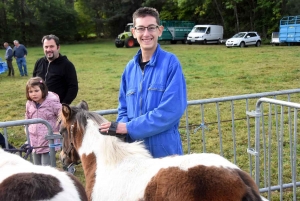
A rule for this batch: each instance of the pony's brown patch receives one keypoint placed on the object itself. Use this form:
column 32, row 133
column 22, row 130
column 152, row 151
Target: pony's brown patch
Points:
column 79, row 187
column 89, row 164
column 201, row 183
column 29, row 186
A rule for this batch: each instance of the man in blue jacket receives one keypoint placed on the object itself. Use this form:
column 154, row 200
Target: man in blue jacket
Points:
column 152, row 95
column 20, row 53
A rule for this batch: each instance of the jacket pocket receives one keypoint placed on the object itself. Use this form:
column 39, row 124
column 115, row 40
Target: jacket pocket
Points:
column 154, row 95
column 132, row 104
column 157, row 87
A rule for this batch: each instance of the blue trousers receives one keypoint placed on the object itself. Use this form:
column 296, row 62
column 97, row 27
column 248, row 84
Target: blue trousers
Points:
column 21, row 62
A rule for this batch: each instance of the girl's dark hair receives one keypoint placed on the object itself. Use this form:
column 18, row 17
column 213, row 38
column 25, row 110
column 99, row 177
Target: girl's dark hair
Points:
column 36, row 81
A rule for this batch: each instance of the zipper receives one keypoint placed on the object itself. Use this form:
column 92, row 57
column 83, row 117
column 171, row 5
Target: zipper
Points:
column 141, row 88
column 47, row 72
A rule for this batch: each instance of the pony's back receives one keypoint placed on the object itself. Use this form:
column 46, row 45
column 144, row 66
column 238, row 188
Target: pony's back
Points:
column 20, row 180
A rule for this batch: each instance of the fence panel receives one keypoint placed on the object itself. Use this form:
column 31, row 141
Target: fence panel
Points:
column 223, row 126
column 50, row 136
column 275, row 152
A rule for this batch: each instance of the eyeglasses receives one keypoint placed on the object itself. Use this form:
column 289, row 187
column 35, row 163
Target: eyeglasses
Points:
column 151, row 29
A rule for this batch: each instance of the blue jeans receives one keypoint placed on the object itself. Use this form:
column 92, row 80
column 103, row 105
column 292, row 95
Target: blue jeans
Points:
column 21, row 62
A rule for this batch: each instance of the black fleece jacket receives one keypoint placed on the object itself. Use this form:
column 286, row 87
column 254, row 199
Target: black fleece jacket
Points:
column 60, row 77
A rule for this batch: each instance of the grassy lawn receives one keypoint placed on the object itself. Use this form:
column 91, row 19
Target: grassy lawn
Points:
column 211, row 71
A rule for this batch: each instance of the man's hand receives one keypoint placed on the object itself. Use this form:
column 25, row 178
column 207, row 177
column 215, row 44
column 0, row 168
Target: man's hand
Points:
column 121, row 129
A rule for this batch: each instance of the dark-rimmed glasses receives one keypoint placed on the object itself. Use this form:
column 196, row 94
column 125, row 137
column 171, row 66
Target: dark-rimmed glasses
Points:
column 151, row 29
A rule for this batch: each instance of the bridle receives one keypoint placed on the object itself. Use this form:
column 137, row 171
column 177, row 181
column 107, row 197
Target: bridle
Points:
column 70, row 148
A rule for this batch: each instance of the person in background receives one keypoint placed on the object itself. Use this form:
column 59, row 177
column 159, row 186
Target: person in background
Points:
column 57, row 71
column 9, row 58
column 43, row 104
column 20, row 53
column 152, row 95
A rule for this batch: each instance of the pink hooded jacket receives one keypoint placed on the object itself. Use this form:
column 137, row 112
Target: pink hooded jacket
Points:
column 49, row 111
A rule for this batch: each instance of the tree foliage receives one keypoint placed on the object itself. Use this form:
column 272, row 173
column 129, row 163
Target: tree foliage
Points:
column 29, row 20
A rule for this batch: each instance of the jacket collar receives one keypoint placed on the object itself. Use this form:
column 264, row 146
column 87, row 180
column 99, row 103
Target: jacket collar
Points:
column 153, row 59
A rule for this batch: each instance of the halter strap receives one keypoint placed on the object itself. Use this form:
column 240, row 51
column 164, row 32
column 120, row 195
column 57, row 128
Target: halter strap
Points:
column 71, row 147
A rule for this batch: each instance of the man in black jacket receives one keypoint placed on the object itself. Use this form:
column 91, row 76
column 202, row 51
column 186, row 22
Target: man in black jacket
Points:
column 57, row 71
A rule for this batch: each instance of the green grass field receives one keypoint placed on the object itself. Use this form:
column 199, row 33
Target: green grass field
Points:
column 211, row 71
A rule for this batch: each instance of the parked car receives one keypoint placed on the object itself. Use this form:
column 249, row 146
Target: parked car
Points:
column 244, row 39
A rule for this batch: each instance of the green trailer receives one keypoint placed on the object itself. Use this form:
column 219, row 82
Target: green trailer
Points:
column 174, row 31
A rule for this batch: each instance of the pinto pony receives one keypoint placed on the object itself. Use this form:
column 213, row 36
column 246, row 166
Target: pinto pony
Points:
column 20, row 180
column 116, row 170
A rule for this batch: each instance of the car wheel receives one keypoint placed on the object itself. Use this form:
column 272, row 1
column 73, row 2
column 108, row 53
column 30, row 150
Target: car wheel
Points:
column 129, row 42
column 258, row 43
column 242, row 44
column 204, row 42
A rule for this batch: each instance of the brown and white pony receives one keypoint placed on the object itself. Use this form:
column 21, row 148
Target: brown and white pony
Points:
column 20, row 180
column 115, row 170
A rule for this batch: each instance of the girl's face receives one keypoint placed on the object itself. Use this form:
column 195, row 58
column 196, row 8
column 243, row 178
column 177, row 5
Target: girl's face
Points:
column 35, row 94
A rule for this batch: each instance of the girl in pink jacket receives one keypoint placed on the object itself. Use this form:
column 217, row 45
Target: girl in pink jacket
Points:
column 45, row 105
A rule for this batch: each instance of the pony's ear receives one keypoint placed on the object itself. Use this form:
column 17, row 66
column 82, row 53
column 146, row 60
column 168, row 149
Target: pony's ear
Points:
column 66, row 111
column 83, row 105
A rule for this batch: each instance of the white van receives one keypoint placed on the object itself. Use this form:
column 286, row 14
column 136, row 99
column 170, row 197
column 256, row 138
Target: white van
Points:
column 205, row 34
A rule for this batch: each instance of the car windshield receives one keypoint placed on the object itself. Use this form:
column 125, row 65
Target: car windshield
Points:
column 239, row 35
column 199, row 29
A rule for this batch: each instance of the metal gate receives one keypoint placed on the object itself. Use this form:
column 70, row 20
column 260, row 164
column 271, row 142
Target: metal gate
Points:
column 50, row 136
column 275, row 151
column 226, row 127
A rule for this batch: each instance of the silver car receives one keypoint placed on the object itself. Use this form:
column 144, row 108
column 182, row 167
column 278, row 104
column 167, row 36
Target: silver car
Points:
column 244, row 39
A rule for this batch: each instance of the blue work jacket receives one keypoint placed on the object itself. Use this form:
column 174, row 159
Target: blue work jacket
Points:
column 152, row 101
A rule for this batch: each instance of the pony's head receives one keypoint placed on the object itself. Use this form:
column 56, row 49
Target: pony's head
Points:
column 73, row 126
column 71, row 139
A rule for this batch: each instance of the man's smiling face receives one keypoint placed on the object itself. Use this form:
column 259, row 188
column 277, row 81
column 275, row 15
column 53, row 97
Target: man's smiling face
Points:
column 147, row 39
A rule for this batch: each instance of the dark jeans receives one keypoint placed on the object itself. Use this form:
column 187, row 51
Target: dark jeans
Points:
column 11, row 70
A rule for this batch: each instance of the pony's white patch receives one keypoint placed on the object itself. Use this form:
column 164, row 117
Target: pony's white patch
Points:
column 11, row 164
column 124, row 169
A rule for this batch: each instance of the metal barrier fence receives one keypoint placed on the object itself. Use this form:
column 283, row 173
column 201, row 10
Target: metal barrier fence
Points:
column 224, row 126
column 50, row 136
column 277, row 135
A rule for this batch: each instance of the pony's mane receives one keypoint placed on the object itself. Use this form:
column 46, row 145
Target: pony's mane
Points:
column 114, row 148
